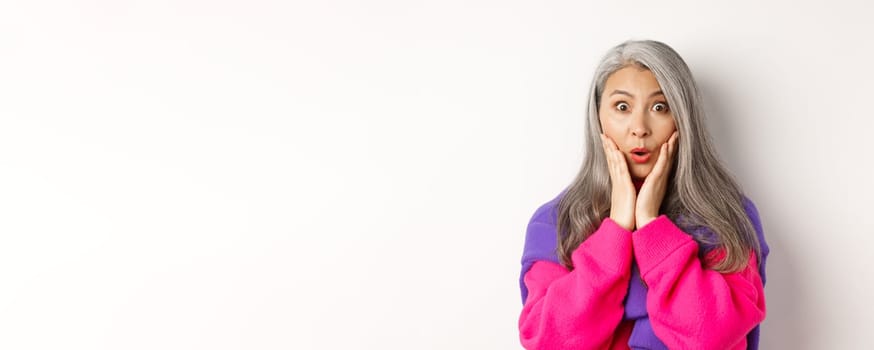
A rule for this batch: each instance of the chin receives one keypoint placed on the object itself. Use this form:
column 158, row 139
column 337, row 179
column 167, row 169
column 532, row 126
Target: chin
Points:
column 641, row 175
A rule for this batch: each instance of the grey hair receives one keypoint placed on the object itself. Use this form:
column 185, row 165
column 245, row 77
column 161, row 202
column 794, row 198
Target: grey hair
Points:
column 700, row 193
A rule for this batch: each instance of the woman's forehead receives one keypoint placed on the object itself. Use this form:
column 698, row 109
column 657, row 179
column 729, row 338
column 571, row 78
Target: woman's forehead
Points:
column 632, row 81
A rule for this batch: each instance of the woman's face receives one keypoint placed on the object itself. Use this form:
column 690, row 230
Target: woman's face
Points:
column 634, row 113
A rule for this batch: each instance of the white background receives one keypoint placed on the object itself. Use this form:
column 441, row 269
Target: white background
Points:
column 359, row 175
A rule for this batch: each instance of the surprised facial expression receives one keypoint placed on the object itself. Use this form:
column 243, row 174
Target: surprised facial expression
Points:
column 635, row 114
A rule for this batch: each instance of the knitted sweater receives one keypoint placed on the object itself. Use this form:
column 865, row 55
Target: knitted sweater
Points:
column 646, row 289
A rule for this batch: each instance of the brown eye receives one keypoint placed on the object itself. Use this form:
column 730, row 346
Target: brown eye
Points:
column 622, row 106
column 660, row 107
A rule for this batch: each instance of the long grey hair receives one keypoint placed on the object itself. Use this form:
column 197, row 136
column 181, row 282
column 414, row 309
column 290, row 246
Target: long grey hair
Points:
column 700, row 191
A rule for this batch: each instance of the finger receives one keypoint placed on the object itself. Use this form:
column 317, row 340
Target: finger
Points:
column 617, row 162
column 674, row 142
column 611, row 150
column 610, row 143
column 660, row 162
column 618, row 157
column 605, row 147
column 603, row 143
column 611, row 167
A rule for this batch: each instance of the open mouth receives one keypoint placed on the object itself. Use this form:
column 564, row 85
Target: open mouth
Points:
column 640, row 155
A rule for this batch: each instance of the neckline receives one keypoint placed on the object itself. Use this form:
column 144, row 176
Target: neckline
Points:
column 637, row 184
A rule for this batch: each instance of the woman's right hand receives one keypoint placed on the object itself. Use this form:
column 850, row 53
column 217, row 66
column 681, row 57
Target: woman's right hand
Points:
column 623, row 194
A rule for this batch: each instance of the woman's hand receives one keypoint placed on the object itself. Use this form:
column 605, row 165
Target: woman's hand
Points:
column 649, row 199
column 623, row 193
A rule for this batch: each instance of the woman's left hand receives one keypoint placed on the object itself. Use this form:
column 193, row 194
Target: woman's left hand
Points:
column 649, row 199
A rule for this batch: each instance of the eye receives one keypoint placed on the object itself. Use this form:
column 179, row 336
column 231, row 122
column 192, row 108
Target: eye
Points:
column 622, row 106
column 660, row 107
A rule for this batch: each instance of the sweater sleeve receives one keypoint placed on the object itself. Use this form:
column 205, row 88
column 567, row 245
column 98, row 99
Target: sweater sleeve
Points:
column 691, row 307
column 581, row 308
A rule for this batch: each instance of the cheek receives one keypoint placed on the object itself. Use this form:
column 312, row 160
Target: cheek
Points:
column 665, row 130
column 608, row 126
column 671, row 125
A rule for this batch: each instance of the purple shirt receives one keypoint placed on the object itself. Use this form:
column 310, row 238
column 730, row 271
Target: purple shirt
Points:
column 541, row 245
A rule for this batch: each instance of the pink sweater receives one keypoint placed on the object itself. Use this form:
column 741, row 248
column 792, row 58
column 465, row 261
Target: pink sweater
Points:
column 689, row 307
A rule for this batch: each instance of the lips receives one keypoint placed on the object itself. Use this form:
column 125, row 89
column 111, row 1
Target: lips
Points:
column 640, row 155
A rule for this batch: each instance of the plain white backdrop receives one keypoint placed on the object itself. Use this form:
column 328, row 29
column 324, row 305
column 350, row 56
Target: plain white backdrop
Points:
column 359, row 175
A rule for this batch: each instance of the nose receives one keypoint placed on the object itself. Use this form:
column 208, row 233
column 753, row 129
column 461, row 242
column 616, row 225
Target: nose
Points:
column 639, row 131
column 639, row 126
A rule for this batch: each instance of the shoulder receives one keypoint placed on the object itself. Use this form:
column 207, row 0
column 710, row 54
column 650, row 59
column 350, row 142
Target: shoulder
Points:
column 708, row 240
column 540, row 235
column 753, row 213
column 547, row 213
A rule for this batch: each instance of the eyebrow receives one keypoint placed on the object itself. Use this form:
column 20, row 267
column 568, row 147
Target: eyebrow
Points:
column 623, row 92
